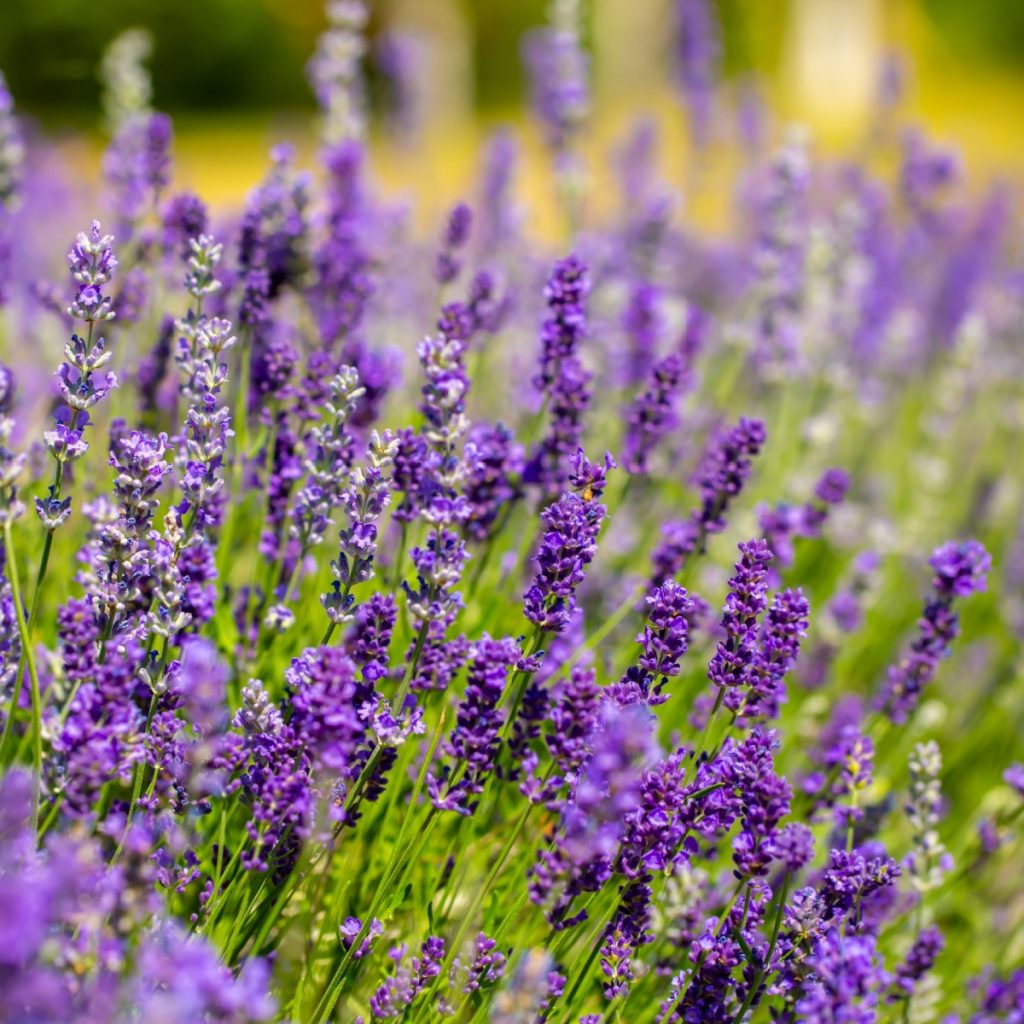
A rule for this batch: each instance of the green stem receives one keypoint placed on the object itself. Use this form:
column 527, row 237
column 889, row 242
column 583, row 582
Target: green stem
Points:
column 30, row 660
column 399, row 857
column 755, row 986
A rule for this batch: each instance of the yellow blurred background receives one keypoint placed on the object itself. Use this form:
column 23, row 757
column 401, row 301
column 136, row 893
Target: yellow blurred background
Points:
column 818, row 63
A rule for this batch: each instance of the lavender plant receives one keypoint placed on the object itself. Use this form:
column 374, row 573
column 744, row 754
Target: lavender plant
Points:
column 351, row 682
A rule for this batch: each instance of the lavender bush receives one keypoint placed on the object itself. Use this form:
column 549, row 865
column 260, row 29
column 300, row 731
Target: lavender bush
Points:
column 402, row 628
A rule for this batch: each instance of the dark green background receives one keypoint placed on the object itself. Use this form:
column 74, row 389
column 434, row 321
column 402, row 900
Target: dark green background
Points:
column 233, row 55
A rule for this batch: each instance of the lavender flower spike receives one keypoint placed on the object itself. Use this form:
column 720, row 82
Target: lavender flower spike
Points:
column 723, row 472
column 960, row 570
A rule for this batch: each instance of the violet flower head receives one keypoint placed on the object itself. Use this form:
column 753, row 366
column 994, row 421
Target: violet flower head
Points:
column 698, row 53
column 784, row 627
column 735, row 657
column 323, row 689
column 925, row 173
column 623, row 747
column 574, row 716
column 453, row 242
column 852, row 760
column 567, row 547
column 498, row 216
column 475, row 740
column 363, row 500
column 721, row 476
column 832, row 487
column 565, row 328
column 92, row 264
column 920, row 959
column 409, row 980
column 793, row 846
column 139, row 461
column 845, row 982
column 653, row 414
column 183, row 218
column 960, row 570
column 1014, row 777
column 207, row 427
column 663, row 643
column 494, row 461
column 557, row 66
column 562, row 377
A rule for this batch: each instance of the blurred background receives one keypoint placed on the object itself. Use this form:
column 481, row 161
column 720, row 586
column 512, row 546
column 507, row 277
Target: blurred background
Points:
column 233, row 75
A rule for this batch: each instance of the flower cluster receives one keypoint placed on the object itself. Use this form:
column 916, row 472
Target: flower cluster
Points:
column 355, row 689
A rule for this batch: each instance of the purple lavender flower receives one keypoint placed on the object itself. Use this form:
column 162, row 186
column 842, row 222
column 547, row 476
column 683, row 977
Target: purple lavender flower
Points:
column 574, row 718
column 852, row 760
column 486, row 967
column 561, row 378
column 779, row 257
column 343, row 283
column 137, row 165
column 735, row 657
column 498, row 218
column 99, row 738
column 207, row 422
column 566, row 291
column 475, row 742
column 960, row 570
column 1014, row 777
column 926, row 171
column 456, row 235
column 323, row 690
column 607, row 791
column 558, row 70
column 92, row 263
column 663, row 641
column 793, row 846
column 568, row 546
column 784, row 627
column 920, row 959
column 652, row 415
column 494, row 462
column 408, row 981
column 782, row 524
column 184, row 217
column 140, row 465
column 845, row 981
column 439, row 568
column 698, row 52
column 724, row 470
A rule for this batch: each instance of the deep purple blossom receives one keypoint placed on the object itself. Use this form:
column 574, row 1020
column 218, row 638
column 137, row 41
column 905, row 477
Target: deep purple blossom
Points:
column 561, row 377
column 723, row 471
column 652, row 415
column 735, row 659
column 960, row 570
column 474, row 742
column 456, row 235
column 567, row 547
column 663, row 642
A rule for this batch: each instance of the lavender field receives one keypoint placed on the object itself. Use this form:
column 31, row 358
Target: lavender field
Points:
column 595, row 619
